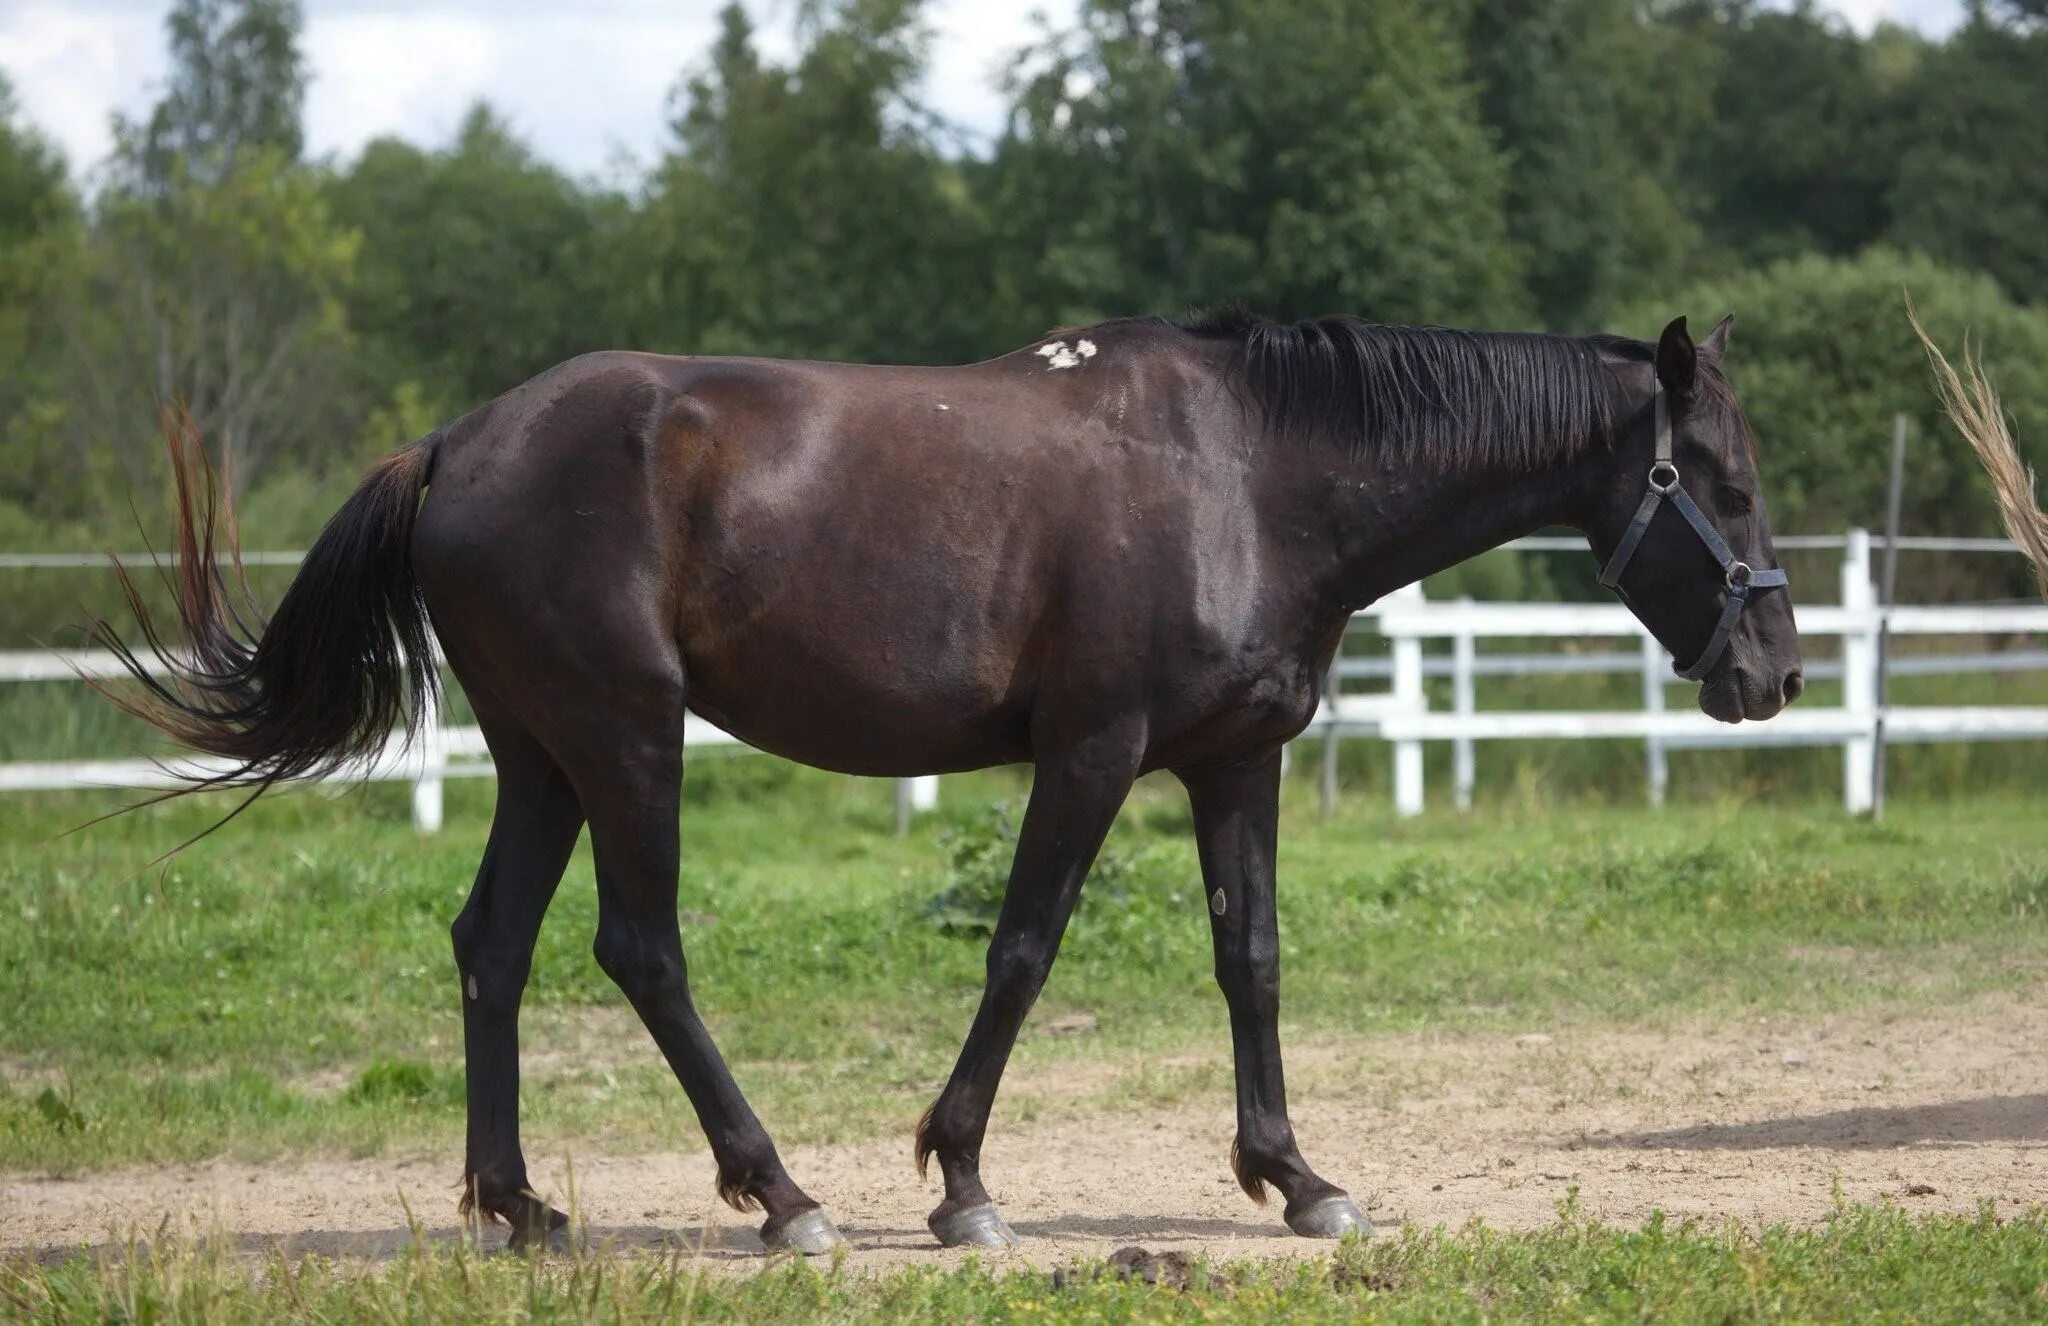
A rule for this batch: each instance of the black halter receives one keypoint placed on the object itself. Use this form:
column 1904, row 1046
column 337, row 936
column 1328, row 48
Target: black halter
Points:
column 1743, row 582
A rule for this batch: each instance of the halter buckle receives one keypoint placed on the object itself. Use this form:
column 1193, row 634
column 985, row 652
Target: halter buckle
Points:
column 1659, row 483
column 1739, row 575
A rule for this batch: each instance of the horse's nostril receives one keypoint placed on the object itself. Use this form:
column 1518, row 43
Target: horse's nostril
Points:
column 1795, row 685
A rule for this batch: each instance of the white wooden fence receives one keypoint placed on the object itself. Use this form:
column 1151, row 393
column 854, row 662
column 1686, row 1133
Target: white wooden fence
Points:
column 1400, row 715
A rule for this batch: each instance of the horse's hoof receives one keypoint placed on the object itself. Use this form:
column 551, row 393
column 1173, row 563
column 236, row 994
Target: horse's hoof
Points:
column 973, row 1227
column 553, row 1241
column 809, row 1232
column 1330, row 1218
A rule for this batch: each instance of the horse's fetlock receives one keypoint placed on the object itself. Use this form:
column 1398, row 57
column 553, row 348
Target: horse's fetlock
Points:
column 489, row 1195
column 945, row 1133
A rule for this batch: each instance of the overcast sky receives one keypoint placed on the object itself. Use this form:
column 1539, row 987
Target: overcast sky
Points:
column 584, row 81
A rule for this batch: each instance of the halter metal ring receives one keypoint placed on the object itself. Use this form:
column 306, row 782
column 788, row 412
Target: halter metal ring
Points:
column 1739, row 575
column 1663, row 477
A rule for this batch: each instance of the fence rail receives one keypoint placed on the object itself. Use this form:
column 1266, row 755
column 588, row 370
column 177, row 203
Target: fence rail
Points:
column 1399, row 715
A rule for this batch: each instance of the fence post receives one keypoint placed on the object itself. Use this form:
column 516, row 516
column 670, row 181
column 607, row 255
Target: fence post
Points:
column 1462, row 701
column 1655, row 764
column 1859, row 672
column 1411, row 698
column 427, row 803
column 915, row 796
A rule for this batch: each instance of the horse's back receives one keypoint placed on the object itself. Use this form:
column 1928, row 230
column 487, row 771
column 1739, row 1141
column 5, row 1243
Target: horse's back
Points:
column 833, row 551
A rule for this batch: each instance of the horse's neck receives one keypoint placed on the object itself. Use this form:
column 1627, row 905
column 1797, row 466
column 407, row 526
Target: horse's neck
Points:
column 1399, row 522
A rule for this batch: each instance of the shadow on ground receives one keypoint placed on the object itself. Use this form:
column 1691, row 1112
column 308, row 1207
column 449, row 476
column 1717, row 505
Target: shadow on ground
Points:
column 724, row 1244
column 1949, row 1123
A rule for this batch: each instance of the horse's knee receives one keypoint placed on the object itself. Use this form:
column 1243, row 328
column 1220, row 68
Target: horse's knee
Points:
column 642, row 968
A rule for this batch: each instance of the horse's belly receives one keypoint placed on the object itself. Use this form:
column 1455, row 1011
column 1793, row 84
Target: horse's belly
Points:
column 864, row 714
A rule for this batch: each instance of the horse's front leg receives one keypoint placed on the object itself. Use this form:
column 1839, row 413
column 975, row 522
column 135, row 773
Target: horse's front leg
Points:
column 1074, row 799
column 1237, row 812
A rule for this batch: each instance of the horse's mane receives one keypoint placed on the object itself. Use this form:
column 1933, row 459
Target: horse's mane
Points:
column 1427, row 395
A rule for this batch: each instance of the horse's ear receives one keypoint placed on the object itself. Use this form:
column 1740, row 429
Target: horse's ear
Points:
column 1678, row 363
column 1716, row 344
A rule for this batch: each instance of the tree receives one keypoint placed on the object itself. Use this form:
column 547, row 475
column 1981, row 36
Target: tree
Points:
column 35, row 188
column 238, row 84
column 2019, row 13
column 1823, row 358
column 39, row 219
column 209, row 277
column 220, row 299
column 481, row 265
column 1591, row 102
column 1797, row 151
column 808, row 209
column 1304, row 155
column 1972, row 188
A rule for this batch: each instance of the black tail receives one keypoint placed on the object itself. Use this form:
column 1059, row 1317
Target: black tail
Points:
column 346, row 657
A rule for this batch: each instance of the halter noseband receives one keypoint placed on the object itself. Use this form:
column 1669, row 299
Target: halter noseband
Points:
column 1743, row 582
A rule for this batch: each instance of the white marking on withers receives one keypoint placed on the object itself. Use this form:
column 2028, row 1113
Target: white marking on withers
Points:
column 1058, row 356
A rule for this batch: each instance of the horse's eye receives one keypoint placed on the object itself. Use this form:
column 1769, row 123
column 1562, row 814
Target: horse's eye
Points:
column 1736, row 501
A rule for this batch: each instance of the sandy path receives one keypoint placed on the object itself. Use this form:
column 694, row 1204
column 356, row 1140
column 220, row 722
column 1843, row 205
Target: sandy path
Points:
column 1758, row 1122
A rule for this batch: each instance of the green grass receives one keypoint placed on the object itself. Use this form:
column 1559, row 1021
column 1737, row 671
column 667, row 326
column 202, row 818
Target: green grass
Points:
column 1865, row 1265
column 286, row 985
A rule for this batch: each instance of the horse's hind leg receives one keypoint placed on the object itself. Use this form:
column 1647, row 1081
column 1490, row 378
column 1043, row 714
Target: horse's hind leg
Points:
column 532, row 833
column 632, row 787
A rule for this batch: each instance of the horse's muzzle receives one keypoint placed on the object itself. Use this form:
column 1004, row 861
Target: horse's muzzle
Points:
column 1734, row 693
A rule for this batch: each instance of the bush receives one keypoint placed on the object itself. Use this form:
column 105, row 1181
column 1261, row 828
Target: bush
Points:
column 1823, row 357
column 1125, row 887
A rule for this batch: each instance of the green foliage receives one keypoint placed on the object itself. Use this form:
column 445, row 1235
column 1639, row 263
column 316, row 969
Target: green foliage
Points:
column 480, row 266
column 1591, row 164
column 1568, row 164
column 977, row 873
column 1199, row 151
column 237, row 85
column 1823, row 357
column 217, row 296
column 1972, row 188
column 205, row 279
column 1502, row 574
column 807, row 209
column 1796, row 148
column 1126, row 889
column 38, row 228
column 35, row 189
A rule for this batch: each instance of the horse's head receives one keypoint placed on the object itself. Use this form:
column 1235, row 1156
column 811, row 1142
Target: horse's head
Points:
column 1678, row 523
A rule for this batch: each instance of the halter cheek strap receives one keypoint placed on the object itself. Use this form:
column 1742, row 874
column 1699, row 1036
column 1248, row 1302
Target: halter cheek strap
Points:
column 1742, row 581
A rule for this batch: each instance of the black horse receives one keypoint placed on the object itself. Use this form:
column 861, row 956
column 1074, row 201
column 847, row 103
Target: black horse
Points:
column 1129, row 547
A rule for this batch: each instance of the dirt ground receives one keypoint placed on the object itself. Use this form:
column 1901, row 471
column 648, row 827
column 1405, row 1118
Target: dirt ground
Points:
column 1761, row 1122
